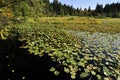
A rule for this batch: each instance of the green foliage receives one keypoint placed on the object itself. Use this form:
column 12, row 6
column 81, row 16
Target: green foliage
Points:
column 63, row 49
column 21, row 9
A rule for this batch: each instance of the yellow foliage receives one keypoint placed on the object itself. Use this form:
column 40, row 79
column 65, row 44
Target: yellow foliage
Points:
column 1, row 1
column 89, row 24
column 4, row 33
column 7, row 12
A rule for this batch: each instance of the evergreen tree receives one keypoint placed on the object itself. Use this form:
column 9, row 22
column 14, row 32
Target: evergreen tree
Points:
column 107, row 8
column 99, row 9
column 112, row 10
column 61, row 10
column 89, row 9
column 56, row 7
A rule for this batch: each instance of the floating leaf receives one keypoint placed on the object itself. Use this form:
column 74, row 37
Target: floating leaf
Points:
column 23, row 77
column 84, row 74
column 73, row 76
column 93, row 73
column 52, row 69
column 106, row 71
column 56, row 73
column 12, row 71
column 99, row 77
column 66, row 70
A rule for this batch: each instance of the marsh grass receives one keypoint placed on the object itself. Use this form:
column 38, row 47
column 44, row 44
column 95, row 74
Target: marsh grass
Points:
column 90, row 24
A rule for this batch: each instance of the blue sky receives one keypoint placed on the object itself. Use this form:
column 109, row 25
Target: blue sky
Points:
column 86, row 3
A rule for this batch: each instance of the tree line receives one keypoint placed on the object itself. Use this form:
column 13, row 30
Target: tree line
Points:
column 109, row 10
column 39, row 8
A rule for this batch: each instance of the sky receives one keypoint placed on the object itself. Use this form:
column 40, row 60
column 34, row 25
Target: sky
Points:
column 86, row 3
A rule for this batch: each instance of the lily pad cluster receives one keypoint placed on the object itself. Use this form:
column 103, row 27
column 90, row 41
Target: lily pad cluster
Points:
column 104, row 46
column 86, row 58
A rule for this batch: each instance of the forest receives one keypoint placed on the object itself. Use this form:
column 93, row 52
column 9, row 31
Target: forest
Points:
column 56, row 8
column 43, row 40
